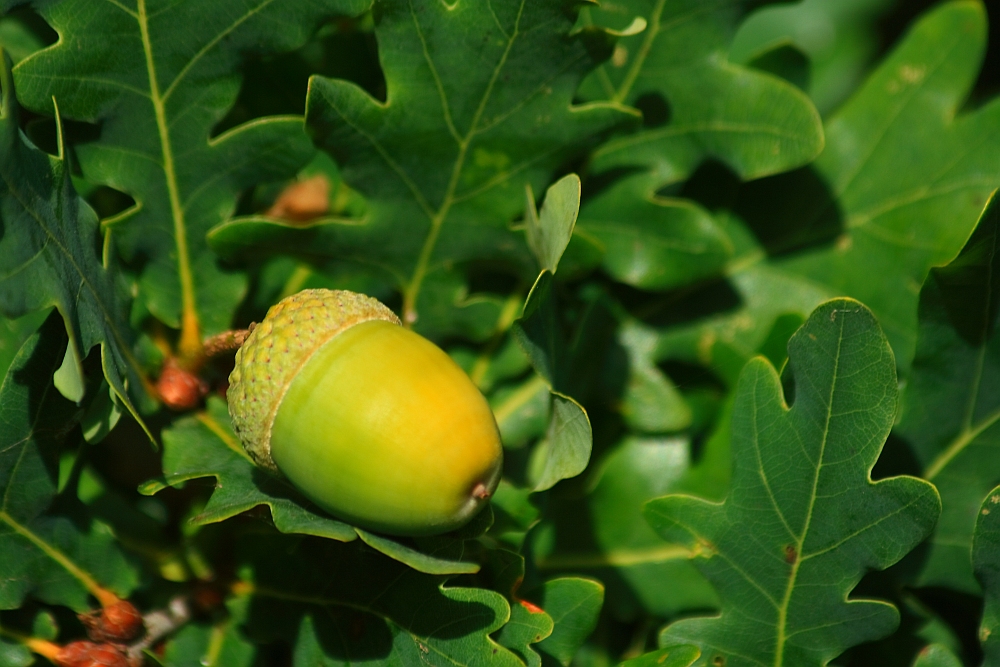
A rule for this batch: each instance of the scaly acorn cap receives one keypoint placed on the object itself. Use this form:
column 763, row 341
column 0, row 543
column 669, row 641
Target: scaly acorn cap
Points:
column 274, row 352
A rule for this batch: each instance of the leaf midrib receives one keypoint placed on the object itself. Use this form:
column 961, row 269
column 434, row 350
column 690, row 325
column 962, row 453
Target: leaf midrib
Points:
column 653, row 30
column 412, row 289
column 190, row 341
column 789, row 589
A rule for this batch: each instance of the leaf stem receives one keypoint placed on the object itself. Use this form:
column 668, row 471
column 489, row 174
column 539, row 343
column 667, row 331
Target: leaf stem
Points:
column 959, row 444
column 652, row 30
column 782, row 638
column 104, row 596
column 42, row 647
column 190, row 342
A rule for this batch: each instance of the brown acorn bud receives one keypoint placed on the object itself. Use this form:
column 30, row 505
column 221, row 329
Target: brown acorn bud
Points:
column 180, row 389
column 90, row 654
column 303, row 201
column 118, row 623
column 122, row 622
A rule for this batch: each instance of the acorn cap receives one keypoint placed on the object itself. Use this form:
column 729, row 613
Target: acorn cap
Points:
column 274, row 352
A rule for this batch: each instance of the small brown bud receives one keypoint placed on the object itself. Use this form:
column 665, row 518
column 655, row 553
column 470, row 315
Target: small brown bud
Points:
column 118, row 623
column 121, row 622
column 90, row 654
column 303, row 201
column 180, row 389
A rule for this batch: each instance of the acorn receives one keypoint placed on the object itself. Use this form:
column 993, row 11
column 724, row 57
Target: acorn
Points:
column 369, row 420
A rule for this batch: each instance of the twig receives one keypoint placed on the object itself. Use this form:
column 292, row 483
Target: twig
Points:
column 159, row 624
column 226, row 341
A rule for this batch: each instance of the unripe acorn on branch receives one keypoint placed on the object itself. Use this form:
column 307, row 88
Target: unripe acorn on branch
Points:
column 369, row 420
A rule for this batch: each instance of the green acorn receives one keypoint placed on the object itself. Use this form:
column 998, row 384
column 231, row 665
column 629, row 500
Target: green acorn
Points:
column 372, row 422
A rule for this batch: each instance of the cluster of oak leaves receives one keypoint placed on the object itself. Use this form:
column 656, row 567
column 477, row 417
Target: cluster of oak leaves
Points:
column 758, row 256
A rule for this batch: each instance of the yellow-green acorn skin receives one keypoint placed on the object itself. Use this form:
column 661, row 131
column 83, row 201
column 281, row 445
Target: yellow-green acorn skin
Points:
column 372, row 422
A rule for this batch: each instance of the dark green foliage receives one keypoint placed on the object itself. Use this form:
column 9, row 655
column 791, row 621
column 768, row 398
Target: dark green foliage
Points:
column 725, row 271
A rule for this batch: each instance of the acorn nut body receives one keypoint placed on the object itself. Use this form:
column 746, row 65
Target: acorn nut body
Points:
column 372, row 422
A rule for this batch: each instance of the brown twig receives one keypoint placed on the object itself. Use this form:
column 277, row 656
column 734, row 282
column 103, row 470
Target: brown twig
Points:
column 227, row 341
column 160, row 623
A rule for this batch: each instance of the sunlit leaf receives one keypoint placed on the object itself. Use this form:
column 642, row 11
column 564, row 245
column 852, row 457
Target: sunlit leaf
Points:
column 550, row 229
column 856, row 223
column 838, row 37
column 444, row 160
column 803, row 520
column 159, row 76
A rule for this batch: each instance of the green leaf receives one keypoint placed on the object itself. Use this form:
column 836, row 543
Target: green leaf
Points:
column 649, row 240
column 986, row 563
column 20, row 33
column 48, row 237
column 436, row 160
column 205, row 446
column 803, row 521
column 528, row 625
column 422, row 562
column 158, row 76
column 13, row 333
column 838, row 37
column 605, row 535
column 565, row 450
column 222, row 643
column 56, row 559
column 13, row 654
column 754, row 122
column 539, row 334
column 376, row 610
column 670, row 656
column 952, row 403
column 856, row 214
column 651, row 403
column 549, row 232
column 696, row 105
column 560, row 616
column 936, row 655
column 522, row 411
column 574, row 604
